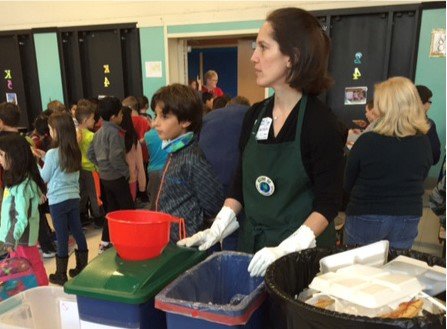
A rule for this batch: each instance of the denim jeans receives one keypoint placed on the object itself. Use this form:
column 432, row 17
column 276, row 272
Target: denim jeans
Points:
column 66, row 218
column 400, row 231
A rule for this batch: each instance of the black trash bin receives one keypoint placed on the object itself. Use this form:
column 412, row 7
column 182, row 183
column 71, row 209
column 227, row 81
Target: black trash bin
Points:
column 290, row 275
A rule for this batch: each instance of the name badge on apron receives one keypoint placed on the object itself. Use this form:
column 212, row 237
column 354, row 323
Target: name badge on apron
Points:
column 265, row 185
column 264, row 128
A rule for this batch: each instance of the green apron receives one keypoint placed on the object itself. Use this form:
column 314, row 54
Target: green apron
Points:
column 271, row 219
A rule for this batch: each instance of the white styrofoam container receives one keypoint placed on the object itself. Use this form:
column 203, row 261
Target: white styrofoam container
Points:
column 433, row 278
column 40, row 308
column 367, row 286
column 374, row 254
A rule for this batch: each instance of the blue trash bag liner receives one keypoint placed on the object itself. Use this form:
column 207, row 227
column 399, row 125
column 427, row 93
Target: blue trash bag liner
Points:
column 219, row 290
column 288, row 276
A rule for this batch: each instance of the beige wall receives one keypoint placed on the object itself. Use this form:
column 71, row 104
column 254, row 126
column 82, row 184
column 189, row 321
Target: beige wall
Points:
column 37, row 14
column 246, row 80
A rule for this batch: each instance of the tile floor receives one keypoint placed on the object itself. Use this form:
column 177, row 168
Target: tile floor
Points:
column 93, row 236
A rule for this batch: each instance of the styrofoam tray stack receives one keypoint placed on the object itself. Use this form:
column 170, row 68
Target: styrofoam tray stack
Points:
column 432, row 278
column 374, row 254
column 366, row 285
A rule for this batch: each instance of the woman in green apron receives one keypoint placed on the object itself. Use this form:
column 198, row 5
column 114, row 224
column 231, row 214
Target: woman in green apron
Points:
column 290, row 175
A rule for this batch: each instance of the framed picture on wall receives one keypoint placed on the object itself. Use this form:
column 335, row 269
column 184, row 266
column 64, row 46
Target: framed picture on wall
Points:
column 11, row 98
column 437, row 45
column 355, row 95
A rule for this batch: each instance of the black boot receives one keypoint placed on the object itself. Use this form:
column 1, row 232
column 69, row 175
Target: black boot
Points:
column 60, row 277
column 81, row 262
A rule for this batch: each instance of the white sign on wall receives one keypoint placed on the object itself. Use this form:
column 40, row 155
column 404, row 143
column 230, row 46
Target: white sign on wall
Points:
column 153, row 69
column 437, row 45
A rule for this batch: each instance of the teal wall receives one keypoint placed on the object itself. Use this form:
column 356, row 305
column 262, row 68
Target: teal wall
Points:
column 152, row 46
column 48, row 68
column 430, row 71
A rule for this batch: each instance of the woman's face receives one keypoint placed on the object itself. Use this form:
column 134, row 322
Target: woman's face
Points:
column 271, row 66
column 167, row 125
column 211, row 82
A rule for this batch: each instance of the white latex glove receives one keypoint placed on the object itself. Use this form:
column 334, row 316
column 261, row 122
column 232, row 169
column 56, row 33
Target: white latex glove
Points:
column 224, row 224
column 301, row 239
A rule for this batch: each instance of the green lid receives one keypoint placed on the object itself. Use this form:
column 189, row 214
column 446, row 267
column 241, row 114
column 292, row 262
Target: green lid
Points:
column 110, row 278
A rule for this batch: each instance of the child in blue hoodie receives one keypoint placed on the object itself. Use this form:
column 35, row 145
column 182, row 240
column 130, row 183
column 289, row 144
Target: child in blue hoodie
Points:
column 61, row 172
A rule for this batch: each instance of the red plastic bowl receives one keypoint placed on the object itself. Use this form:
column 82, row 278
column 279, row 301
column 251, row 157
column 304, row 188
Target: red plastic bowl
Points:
column 139, row 234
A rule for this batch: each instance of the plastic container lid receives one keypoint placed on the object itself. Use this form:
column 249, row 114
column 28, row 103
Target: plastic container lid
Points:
column 431, row 277
column 367, row 286
column 39, row 308
column 374, row 254
column 111, row 278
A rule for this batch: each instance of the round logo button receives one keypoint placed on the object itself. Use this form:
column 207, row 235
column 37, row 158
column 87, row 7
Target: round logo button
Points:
column 265, row 185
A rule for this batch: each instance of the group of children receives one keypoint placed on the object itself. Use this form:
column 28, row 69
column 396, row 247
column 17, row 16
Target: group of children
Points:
column 80, row 160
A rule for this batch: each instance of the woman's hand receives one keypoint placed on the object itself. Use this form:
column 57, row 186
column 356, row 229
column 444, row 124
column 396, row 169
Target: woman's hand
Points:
column 360, row 123
column 224, row 224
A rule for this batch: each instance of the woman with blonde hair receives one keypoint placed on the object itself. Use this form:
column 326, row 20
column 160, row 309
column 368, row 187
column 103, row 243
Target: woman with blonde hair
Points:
column 210, row 84
column 386, row 169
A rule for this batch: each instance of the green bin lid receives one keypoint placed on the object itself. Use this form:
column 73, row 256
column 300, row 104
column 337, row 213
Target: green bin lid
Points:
column 108, row 277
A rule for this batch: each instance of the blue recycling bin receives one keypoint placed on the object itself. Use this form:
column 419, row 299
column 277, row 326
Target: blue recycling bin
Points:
column 115, row 292
column 218, row 293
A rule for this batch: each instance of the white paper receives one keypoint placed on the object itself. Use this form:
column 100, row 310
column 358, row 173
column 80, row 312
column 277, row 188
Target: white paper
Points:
column 437, row 45
column 153, row 69
column 69, row 314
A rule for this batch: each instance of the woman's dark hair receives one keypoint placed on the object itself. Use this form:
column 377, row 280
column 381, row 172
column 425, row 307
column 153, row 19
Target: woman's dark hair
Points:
column 69, row 152
column 301, row 37
column 130, row 138
column 424, row 93
column 22, row 163
column 181, row 101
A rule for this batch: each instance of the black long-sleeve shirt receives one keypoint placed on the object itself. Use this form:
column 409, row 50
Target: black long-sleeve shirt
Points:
column 385, row 175
column 322, row 142
column 434, row 141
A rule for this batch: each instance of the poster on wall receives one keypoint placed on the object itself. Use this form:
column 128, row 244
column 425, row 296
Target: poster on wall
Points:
column 356, row 95
column 437, row 45
column 11, row 98
column 153, row 69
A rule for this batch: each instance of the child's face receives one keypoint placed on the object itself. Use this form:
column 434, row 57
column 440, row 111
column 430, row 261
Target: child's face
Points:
column 116, row 119
column 90, row 121
column 167, row 125
column 3, row 161
column 52, row 132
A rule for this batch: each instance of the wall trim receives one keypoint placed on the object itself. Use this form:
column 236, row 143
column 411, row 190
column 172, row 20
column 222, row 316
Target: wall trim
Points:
column 212, row 33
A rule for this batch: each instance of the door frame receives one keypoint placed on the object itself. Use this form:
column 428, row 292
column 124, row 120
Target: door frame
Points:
column 176, row 47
